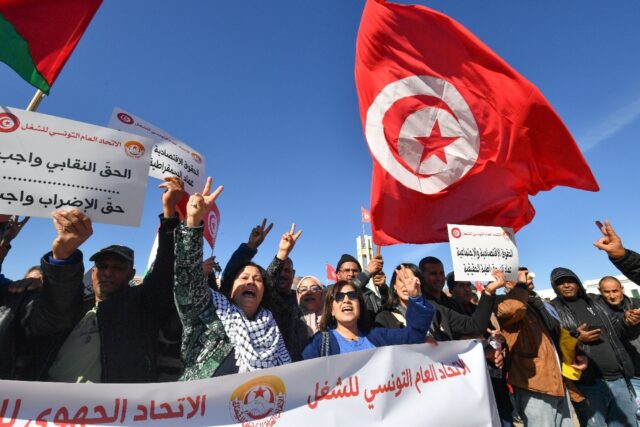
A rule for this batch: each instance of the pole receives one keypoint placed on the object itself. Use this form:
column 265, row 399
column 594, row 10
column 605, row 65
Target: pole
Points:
column 33, row 106
column 35, row 101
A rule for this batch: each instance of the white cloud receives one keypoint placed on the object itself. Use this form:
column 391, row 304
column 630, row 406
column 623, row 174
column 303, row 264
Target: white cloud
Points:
column 611, row 125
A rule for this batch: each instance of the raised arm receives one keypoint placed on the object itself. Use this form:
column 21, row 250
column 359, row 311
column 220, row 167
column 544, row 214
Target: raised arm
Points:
column 246, row 251
column 419, row 315
column 58, row 306
column 285, row 247
column 625, row 260
column 375, row 266
column 192, row 295
column 157, row 286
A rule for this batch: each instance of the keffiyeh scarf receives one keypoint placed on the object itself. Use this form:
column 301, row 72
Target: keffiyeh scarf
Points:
column 258, row 343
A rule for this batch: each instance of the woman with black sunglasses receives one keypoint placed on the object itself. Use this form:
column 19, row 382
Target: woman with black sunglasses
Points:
column 344, row 330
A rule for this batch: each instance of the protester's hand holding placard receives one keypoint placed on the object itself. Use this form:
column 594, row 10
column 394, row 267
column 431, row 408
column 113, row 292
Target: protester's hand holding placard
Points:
column 50, row 163
column 477, row 250
column 170, row 157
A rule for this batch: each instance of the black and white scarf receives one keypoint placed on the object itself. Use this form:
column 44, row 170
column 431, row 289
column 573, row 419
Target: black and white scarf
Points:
column 258, row 343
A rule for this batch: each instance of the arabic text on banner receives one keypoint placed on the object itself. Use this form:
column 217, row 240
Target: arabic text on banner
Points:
column 411, row 385
column 477, row 250
column 170, row 156
column 50, row 163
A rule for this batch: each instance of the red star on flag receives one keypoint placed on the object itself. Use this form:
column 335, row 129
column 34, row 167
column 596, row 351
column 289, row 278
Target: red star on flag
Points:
column 435, row 143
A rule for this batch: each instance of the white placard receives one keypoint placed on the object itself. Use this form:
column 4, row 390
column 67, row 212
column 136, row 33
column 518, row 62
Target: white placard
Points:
column 48, row 163
column 477, row 250
column 170, row 156
column 405, row 386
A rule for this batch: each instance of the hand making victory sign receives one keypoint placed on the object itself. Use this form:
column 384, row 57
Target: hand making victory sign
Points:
column 258, row 234
column 609, row 242
column 287, row 242
column 200, row 203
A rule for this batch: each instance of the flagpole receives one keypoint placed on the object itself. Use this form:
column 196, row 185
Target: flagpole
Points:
column 35, row 101
column 33, row 106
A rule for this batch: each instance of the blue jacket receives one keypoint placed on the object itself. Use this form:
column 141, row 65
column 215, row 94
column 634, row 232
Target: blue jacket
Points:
column 419, row 316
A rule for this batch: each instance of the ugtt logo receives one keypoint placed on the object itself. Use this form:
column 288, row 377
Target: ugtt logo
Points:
column 258, row 402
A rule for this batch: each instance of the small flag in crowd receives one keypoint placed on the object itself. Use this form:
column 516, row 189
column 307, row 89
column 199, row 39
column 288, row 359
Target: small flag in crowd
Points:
column 457, row 136
column 331, row 274
column 366, row 216
column 37, row 36
column 211, row 219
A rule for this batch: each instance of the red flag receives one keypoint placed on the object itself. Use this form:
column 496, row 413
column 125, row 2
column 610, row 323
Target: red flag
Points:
column 211, row 224
column 211, row 220
column 456, row 135
column 366, row 216
column 39, row 35
column 331, row 274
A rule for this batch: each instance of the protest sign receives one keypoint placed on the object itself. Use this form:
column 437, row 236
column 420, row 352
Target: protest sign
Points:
column 170, row 156
column 50, row 163
column 410, row 385
column 477, row 250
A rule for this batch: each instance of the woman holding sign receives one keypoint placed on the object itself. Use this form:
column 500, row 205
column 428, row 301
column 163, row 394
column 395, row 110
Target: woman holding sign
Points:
column 224, row 332
column 342, row 326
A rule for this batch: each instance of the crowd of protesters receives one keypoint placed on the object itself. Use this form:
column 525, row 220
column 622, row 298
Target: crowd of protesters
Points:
column 577, row 356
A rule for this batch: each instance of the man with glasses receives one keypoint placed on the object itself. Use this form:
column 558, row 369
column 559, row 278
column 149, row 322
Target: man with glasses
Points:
column 348, row 268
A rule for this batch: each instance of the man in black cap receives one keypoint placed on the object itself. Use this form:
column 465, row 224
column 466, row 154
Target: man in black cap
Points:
column 116, row 340
column 605, row 384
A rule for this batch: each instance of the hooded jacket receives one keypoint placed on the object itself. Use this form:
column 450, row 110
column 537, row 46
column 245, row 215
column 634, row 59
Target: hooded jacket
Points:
column 613, row 327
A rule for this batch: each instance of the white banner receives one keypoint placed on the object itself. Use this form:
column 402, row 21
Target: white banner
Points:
column 50, row 163
column 404, row 386
column 170, row 156
column 476, row 250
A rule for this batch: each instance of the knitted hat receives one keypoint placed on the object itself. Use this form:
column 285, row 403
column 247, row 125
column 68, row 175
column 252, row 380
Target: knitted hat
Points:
column 560, row 272
column 347, row 258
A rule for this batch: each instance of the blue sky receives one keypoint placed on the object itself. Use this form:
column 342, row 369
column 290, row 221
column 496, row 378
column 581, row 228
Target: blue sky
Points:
column 265, row 90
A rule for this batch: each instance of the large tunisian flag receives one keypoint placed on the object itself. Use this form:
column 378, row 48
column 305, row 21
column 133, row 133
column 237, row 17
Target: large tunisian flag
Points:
column 457, row 136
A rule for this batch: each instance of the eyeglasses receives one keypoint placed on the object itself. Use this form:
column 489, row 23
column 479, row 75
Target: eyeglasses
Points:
column 313, row 289
column 351, row 295
column 349, row 270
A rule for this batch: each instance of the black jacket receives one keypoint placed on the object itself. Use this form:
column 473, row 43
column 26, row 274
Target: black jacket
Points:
column 129, row 320
column 631, row 334
column 629, row 265
column 450, row 325
column 33, row 324
column 612, row 325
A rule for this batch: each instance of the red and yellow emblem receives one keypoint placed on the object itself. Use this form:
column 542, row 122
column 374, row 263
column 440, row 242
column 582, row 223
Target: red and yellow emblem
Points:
column 258, row 402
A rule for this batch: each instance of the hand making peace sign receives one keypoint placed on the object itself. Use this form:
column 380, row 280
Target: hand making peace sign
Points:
column 200, row 203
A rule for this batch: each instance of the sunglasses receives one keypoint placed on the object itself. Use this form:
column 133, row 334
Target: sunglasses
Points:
column 351, row 295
